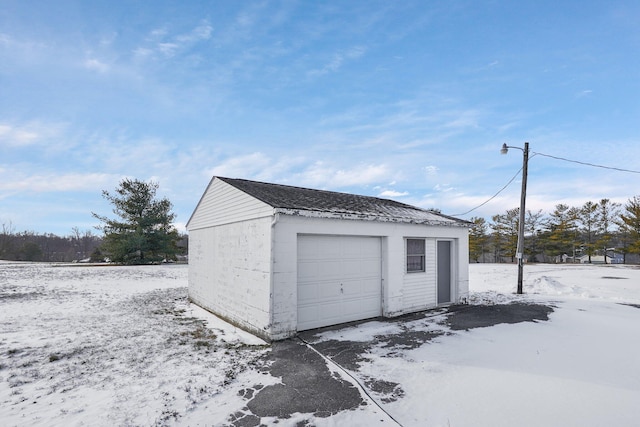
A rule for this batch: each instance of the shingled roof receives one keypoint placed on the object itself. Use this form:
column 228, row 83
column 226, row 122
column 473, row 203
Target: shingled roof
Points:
column 305, row 201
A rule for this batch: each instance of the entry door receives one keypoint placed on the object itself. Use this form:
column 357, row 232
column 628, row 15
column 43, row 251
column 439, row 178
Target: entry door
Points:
column 444, row 271
column 339, row 279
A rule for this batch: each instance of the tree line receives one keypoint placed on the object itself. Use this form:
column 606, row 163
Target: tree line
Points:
column 142, row 233
column 31, row 246
column 601, row 231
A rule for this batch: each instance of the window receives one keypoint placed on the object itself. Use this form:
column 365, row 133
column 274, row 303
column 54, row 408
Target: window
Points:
column 415, row 255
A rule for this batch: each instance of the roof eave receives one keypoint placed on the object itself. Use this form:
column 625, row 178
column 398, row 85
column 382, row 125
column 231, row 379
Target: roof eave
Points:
column 367, row 217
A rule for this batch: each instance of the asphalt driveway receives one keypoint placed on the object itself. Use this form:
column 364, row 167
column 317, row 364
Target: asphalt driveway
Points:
column 308, row 385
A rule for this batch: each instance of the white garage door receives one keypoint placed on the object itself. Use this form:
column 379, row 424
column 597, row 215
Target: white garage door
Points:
column 339, row 280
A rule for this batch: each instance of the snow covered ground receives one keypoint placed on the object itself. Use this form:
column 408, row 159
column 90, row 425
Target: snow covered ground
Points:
column 110, row 346
column 580, row 368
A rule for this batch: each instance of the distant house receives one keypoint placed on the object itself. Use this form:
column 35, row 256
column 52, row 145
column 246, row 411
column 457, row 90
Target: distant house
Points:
column 275, row 259
column 595, row 259
column 599, row 259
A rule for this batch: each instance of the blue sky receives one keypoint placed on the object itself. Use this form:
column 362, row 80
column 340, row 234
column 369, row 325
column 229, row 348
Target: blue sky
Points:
column 406, row 100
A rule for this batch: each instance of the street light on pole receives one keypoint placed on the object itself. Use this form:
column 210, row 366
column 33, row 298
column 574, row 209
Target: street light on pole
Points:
column 523, row 198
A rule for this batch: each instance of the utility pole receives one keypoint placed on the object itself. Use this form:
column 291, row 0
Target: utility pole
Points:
column 523, row 199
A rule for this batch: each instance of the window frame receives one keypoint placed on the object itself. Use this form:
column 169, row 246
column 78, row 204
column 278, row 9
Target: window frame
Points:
column 414, row 258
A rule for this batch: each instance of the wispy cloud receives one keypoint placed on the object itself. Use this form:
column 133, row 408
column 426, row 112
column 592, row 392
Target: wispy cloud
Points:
column 443, row 188
column 25, row 51
column 199, row 33
column 324, row 175
column 168, row 49
column 337, row 61
column 431, row 170
column 96, row 65
column 16, row 137
column 159, row 41
column 301, row 171
column 245, row 166
column 157, row 33
column 393, row 193
column 22, row 135
column 463, row 120
column 413, row 121
column 259, row 166
column 54, row 182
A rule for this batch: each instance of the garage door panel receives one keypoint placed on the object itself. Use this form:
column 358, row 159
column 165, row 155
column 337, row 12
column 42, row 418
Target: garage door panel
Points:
column 329, row 290
column 331, row 268
column 312, row 292
column 328, row 311
column 370, row 267
column 339, row 280
column 307, row 270
column 307, row 314
column 307, row 293
column 369, row 251
column 325, row 291
column 365, row 288
column 368, row 306
column 370, row 287
column 350, row 289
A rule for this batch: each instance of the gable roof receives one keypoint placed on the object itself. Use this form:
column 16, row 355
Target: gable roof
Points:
column 309, row 202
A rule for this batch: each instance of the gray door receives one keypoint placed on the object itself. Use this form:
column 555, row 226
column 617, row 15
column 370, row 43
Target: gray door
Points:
column 444, row 271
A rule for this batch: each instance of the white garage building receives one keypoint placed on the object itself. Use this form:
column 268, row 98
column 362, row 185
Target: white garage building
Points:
column 275, row 259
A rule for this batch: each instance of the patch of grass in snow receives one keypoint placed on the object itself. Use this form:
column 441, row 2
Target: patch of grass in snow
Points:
column 116, row 344
column 201, row 337
column 16, row 296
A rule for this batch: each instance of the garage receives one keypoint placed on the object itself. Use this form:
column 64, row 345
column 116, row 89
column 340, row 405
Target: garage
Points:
column 277, row 259
column 339, row 279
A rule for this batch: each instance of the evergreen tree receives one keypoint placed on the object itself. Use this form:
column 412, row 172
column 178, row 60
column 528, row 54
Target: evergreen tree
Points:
column 631, row 223
column 532, row 225
column 478, row 238
column 588, row 217
column 505, row 233
column 607, row 213
column 561, row 230
column 144, row 232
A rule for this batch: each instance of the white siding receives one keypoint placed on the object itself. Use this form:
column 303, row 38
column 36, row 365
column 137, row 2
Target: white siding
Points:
column 419, row 290
column 401, row 293
column 230, row 272
column 224, row 204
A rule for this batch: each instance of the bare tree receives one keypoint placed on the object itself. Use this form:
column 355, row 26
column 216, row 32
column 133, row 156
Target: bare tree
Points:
column 7, row 240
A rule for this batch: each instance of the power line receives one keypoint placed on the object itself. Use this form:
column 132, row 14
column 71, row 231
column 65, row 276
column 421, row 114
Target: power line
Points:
column 587, row 164
column 492, row 197
column 552, row 157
